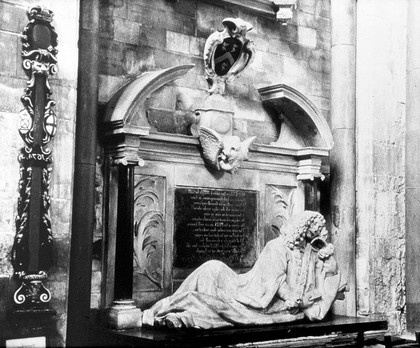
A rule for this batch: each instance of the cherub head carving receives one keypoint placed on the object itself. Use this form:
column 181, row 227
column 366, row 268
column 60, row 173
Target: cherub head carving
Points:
column 225, row 153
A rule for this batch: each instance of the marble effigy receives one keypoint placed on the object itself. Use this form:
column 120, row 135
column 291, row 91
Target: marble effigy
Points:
column 296, row 276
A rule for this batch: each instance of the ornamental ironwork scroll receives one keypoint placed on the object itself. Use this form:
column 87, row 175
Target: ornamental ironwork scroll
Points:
column 32, row 248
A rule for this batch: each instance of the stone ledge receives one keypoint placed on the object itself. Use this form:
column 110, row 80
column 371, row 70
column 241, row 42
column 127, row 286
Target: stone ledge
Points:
column 326, row 331
column 258, row 7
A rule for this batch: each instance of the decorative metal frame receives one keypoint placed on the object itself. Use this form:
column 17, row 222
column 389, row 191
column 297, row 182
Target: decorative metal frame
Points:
column 32, row 248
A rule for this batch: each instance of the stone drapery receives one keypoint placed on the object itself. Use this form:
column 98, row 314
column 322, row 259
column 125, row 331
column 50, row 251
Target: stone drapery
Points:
column 295, row 276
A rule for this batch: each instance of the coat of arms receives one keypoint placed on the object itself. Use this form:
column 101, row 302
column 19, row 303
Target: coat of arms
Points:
column 227, row 53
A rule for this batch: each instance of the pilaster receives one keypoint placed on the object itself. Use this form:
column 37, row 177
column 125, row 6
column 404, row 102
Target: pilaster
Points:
column 343, row 159
column 412, row 166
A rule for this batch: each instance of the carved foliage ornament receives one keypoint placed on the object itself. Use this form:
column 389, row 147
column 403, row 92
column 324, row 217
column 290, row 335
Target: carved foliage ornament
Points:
column 149, row 230
column 227, row 53
column 281, row 207
column 31, row 252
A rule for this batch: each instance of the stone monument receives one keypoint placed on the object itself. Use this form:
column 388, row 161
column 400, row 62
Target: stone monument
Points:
column 296, row 276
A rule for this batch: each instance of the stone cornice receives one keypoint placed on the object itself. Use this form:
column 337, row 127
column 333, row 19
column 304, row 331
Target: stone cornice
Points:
column 263, row 8
column 306, row 162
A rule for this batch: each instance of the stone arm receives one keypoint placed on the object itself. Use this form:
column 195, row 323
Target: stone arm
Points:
column 291, row 300
column 317, row 303
column 268, row 277
column 285, row 291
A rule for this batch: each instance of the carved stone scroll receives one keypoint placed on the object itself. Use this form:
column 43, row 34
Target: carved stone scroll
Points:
column 31, row 252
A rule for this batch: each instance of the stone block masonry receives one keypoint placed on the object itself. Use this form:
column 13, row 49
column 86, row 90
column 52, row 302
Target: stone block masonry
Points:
column 141, row 36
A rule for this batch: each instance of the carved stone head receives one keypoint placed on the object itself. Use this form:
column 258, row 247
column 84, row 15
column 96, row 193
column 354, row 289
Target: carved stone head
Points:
column 225, row 154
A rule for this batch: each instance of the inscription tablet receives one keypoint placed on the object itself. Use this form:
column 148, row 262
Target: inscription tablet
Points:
column 215, row 224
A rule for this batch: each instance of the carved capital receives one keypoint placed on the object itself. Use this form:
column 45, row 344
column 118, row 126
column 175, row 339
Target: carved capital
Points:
column 32, row 291
column 124, row 150
column 124, row 161
column 310, row 169
column 285, row 10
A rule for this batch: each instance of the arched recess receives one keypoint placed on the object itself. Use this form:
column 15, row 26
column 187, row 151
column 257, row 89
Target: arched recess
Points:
column 307, row 120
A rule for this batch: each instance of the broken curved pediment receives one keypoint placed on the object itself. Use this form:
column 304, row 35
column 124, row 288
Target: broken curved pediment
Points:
column 303, row 116
column 154, row 109
column 126, row 110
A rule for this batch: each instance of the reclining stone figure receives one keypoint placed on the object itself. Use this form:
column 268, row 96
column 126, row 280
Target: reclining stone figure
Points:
column 295, row 276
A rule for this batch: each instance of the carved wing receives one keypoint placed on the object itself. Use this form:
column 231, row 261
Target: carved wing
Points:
column 245, row 147
column 212, row 145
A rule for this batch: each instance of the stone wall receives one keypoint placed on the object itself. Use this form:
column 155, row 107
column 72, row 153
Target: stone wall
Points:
column 139, row 36
column 12, row 83
column 381, row 97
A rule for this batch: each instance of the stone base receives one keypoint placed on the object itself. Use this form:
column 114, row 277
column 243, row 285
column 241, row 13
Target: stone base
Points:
column 123, row 315
column 30, row 322
column 338, row 331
